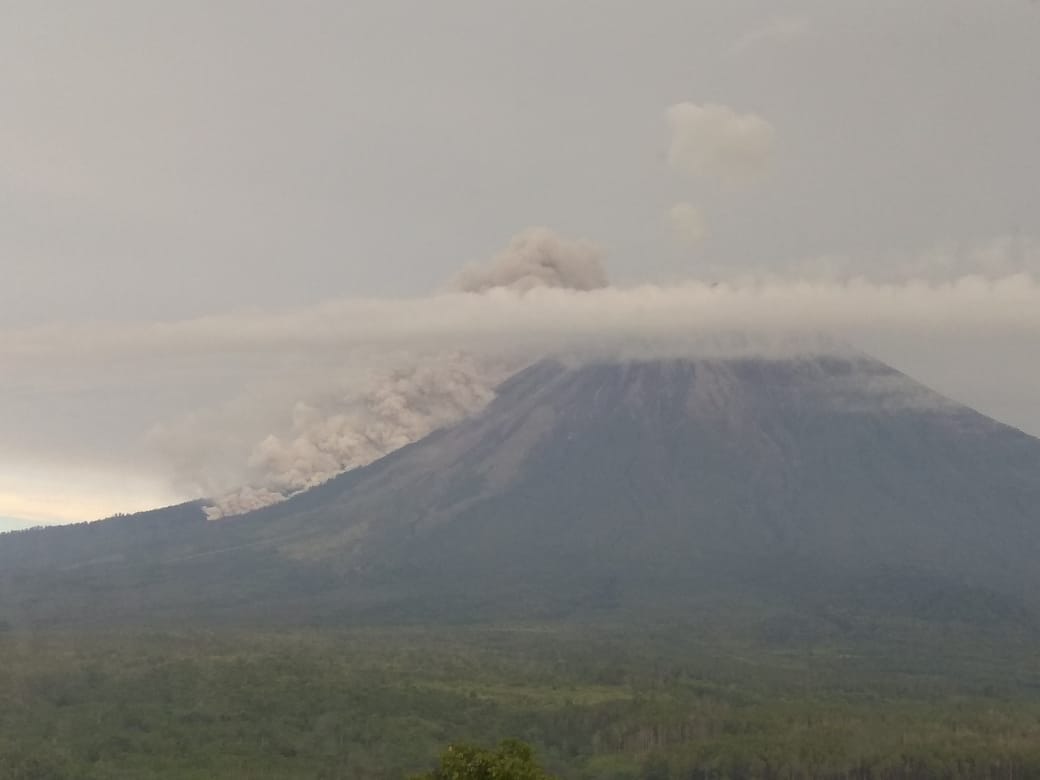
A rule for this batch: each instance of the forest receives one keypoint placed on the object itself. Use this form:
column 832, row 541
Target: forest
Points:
column 593, row 701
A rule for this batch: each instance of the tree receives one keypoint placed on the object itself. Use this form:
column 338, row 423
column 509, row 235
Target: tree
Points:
column 512, row 760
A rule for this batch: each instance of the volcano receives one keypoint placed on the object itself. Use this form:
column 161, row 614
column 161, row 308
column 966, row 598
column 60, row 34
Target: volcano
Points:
column 601, row 487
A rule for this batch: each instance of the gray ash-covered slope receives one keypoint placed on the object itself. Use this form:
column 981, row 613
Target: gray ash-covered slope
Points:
column 667, row 475
column 625, row 485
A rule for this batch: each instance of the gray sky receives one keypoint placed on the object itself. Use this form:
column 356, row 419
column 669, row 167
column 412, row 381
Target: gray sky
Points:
column 170, row 161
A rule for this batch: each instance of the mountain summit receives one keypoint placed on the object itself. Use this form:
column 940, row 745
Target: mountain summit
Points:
column 593, row 486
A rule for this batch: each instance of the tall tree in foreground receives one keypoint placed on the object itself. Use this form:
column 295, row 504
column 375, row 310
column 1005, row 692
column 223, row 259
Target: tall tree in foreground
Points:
column 511, row 760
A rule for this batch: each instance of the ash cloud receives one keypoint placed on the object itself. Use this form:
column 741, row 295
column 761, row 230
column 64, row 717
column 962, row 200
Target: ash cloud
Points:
column 536, row 258
column 270, row 443
column 714, row 140
column 337, row 432
column 334, row 431
column 354, row 379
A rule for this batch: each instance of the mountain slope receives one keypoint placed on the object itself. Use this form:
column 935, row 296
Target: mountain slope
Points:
column 613, row 486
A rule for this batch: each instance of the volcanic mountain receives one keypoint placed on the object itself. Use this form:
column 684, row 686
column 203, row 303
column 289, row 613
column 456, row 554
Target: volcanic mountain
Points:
column 620, row 487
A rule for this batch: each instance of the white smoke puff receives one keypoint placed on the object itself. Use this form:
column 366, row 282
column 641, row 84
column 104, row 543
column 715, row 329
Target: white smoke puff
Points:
column 687, row 224
column 538, row 257
column 332, row 435
column 715, row 140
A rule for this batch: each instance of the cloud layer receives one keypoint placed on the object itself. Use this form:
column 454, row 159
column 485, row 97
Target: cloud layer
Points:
column 501, row 318
column 340, row 384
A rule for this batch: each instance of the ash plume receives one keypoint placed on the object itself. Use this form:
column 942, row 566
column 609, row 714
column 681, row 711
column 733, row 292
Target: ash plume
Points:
column 538, row 257
column 334, row 431
column 287, row 399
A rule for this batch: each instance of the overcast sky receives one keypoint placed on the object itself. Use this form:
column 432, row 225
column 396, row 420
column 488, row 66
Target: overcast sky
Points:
column 170, row 162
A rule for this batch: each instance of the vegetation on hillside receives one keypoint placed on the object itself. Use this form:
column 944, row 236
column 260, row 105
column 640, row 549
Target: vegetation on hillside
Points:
column 593, row 701
column 512, row 760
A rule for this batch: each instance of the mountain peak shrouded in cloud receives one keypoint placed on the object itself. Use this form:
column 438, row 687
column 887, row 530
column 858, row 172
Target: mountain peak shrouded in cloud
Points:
column 539, row 257
column 287, row 399
column 333, row 431
column 253, row 404
column 597, row 484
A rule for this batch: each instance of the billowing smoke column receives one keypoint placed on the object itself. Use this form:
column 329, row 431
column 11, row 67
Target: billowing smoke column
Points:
column 538, row 257
column 346, row 430
column 342, row 430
